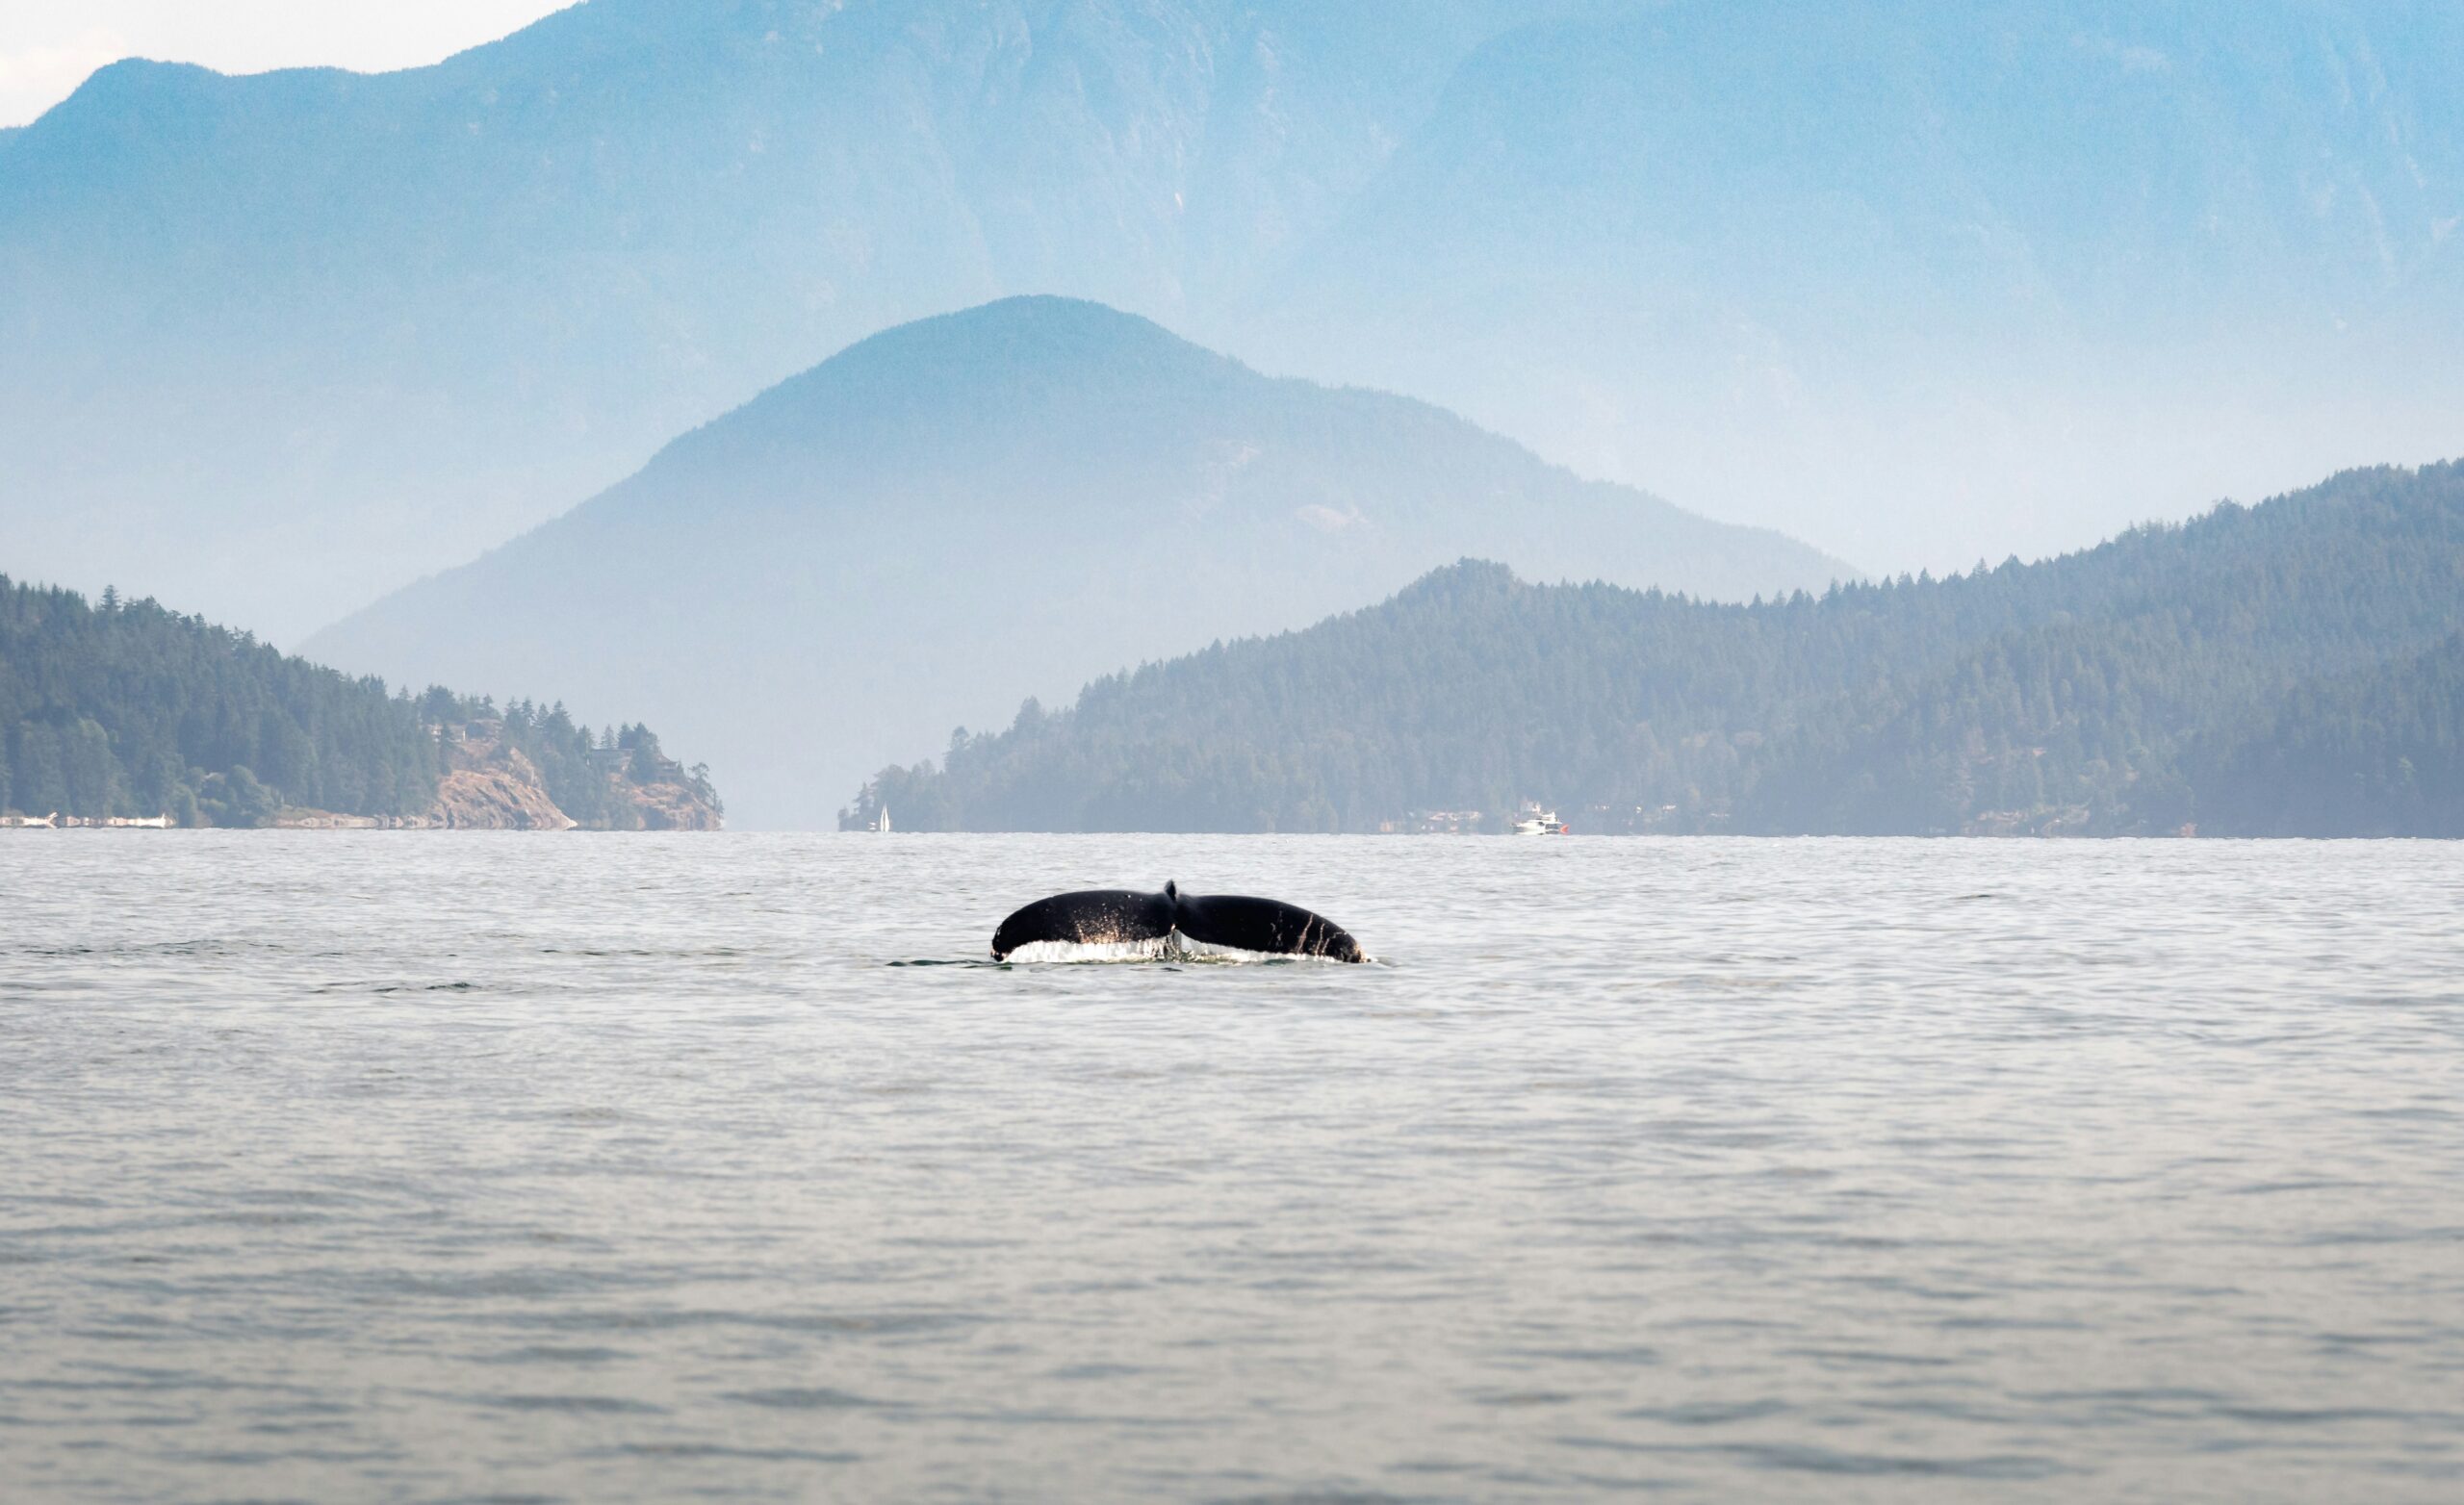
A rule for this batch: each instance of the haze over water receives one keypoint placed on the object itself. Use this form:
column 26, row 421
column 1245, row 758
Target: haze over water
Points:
column 425, row 1168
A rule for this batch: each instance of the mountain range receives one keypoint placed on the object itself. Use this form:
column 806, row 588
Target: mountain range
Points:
column 284, row 341
column 2289, row 668
column 1001, row 502
column 1917, row 281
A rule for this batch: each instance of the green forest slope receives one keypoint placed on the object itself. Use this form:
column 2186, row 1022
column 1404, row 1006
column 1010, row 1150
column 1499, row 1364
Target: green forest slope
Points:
column 125, row 708
column 2291, row 668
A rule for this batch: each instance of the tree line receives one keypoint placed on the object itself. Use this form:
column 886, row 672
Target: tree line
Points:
column 2289, row 667
column 121, row 707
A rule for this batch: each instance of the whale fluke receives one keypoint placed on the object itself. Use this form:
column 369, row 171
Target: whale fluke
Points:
column 1090, row 917
column 1120, row 917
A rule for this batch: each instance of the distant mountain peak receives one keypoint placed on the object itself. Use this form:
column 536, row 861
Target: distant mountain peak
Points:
column 1465, row 579
column 1017, row 363
column 139, row 83
column 1029, row 333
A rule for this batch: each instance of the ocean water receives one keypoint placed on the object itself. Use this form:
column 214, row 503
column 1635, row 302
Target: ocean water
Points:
column 410, row 1166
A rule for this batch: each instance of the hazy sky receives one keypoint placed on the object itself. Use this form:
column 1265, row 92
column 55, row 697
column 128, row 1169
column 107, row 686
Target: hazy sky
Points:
column 48, row 46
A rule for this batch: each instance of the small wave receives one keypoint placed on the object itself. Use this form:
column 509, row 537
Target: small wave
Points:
column 813, row 1398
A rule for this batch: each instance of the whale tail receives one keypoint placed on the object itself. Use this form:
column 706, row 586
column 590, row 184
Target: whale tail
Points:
column 1090, row 917
column 1114, row 917
column 1238, row 922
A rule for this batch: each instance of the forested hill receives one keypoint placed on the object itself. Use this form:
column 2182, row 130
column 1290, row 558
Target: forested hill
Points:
column 2380, row 751
column 2291, row 668
column 123, row 708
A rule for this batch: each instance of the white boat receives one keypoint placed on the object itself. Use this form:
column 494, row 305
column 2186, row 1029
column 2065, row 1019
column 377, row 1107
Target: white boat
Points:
column 1534, row 821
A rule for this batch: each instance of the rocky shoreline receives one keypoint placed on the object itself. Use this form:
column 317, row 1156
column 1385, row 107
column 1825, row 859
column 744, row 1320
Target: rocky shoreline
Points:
column 489, row 786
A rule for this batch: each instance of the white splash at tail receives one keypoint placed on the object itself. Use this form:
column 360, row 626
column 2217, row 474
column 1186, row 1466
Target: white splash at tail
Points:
column 1174, row 947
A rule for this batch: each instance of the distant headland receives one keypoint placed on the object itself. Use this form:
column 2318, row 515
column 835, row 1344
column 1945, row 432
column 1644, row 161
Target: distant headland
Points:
column 124, row 714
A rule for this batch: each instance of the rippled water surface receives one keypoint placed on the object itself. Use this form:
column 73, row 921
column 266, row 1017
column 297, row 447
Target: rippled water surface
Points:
column 426, row 1167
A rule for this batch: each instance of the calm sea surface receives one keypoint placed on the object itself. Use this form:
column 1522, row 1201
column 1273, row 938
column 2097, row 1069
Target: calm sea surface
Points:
column 452, row 1167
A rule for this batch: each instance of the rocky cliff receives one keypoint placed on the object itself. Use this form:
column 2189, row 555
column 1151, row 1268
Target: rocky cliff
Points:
column 492, row 785
column 497, row 790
